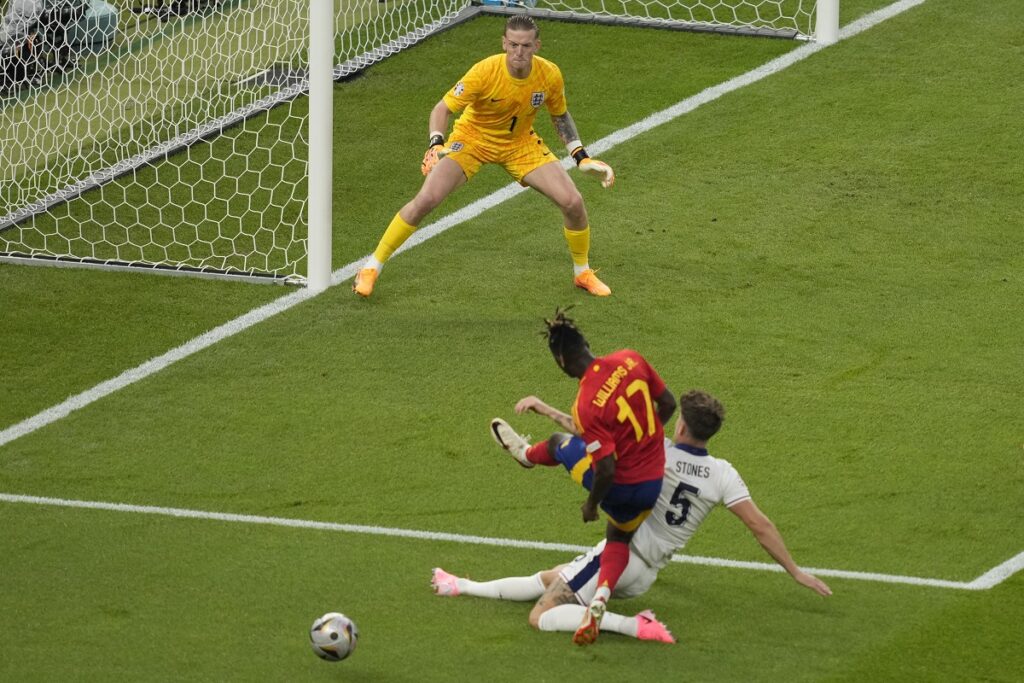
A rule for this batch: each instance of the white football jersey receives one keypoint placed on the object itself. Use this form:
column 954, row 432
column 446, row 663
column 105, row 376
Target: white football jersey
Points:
column 694, row 483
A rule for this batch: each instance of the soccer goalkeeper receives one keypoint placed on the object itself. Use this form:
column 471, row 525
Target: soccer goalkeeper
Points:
column 498, row 99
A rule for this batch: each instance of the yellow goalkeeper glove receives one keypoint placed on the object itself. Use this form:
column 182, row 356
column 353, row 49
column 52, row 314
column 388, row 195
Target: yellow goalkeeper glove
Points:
column 598, row 169
column 435, row 152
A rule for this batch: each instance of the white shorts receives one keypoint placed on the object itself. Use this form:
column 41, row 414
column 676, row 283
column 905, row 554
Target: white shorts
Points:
column 581, row 576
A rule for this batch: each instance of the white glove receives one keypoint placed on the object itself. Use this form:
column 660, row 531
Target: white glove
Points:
column 599, row 170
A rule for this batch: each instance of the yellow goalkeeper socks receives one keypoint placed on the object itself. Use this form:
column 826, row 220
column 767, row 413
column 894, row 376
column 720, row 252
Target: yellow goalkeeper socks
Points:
column 394, row 237
column 579, row 247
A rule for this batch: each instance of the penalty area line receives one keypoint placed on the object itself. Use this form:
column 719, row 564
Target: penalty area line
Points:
column 987, row 580
column 427, row 232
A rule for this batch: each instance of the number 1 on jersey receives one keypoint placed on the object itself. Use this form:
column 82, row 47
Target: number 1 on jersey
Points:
column 626, row 411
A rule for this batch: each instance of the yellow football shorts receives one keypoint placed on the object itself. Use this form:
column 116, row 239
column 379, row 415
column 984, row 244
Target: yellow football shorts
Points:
column 518, row 159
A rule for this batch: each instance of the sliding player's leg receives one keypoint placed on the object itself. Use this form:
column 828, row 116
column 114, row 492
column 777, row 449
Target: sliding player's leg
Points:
column 561, row 608
column 518, row 588
column 643, row 626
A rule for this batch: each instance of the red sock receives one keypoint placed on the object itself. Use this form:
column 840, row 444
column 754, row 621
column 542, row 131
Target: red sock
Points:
column 538, row 454
column 614, row 559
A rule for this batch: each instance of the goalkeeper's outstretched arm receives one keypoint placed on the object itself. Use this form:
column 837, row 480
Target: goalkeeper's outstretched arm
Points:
column 566, row 128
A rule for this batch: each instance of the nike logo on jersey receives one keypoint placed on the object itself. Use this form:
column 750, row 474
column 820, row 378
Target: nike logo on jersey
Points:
column 498, row 99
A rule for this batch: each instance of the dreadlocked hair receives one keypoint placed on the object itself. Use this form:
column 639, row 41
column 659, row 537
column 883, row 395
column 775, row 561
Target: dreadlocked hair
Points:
column 564, row 338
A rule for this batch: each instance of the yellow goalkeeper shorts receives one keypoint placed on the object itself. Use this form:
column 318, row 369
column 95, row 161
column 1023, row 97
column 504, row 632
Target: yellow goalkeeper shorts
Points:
column 517, row 158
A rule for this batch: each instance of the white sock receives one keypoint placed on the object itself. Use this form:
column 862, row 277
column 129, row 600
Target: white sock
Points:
column 619, row 623
column 372, row 262
column 569, row 618
column 519, row 588
column 576, row 270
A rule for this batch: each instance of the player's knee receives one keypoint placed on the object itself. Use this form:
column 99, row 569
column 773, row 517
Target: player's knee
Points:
column 535, row 616
column 617, row 535
column 428, row 200
column 572, row 204
column 556, row 440
column 424, row 203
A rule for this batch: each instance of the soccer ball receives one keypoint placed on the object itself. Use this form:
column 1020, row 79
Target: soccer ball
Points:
column 333, row 637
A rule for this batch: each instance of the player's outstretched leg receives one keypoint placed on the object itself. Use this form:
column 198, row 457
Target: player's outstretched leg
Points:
column 510, row 440
column 591, row 625
column 642, row 626
column 397, row 232
column 444, row 584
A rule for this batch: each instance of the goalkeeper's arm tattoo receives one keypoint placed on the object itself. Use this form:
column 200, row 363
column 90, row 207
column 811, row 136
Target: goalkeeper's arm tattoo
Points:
column 566, row 128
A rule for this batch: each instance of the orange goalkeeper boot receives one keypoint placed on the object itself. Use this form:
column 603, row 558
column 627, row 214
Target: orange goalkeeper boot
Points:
column 365, row 279
column 588, row 280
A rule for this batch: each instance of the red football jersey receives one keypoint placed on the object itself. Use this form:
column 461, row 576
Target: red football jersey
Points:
column 616, row 414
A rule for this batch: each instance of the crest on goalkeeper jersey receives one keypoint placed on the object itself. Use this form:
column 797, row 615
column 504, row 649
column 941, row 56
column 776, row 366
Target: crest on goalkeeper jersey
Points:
column 455, row 146
column 537, row 99
column 459, row 88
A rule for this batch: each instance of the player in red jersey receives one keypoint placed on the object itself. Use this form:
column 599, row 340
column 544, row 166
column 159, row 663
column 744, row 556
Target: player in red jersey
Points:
column 620, row 410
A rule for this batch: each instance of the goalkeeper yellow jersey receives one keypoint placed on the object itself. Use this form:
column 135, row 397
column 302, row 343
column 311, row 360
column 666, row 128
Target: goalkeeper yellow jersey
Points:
column 499, row 109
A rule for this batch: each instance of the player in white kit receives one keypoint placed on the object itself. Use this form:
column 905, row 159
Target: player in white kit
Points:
column 695, row 482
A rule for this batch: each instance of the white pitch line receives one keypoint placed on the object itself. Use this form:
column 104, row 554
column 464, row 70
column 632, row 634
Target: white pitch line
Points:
column 985, row 581
column 474, row 209
column 152, row 366
column 996, row 575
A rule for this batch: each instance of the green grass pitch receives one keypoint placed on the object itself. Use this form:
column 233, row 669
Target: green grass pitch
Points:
column 835, row 251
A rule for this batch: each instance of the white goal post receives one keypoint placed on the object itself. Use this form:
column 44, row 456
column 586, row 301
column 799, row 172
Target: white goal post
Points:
column 195, row 136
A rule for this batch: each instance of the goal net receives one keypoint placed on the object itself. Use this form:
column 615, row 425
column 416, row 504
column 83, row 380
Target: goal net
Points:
column 777, row 18
column 173, row 135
